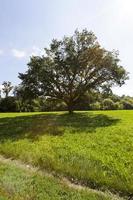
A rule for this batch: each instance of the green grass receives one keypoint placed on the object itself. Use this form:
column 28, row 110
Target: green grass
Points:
column 18, row 184
column 94, row 148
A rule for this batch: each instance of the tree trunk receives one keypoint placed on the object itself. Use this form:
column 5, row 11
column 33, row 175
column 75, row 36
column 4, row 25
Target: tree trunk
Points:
column 70, row 111
column 70, row 107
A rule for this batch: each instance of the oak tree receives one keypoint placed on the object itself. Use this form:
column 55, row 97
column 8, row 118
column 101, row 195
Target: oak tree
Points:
column 71, row 67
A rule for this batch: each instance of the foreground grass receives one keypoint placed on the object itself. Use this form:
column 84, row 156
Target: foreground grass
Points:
column 94, row 148
column 20, row 184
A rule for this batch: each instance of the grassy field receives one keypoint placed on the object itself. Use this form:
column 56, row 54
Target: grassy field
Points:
column 20, row 184
column 92, row 148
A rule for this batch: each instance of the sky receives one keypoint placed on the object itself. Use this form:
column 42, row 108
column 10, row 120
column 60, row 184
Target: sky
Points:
column 28, row 26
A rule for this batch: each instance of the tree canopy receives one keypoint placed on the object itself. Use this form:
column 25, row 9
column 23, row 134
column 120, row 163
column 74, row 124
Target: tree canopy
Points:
column 71, row 67
column 7, row 87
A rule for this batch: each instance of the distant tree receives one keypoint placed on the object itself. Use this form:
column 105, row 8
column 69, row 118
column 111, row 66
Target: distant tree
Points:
column 70, row 67
column 106, row 91
column 8, row 104
column 7, row 87
column 95, row 106
column 127, row 103
column 115, row 97
column 23, row 93
column 118, row 106
column 108, row 104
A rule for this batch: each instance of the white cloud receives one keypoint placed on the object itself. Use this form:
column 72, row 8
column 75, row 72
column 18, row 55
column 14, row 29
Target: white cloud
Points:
column 36, row 51
column 1, row 52
column 18, row 53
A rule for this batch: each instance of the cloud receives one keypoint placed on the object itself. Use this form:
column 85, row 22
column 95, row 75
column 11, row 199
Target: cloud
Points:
column 18, row 53
column 36, row 51
column 33, row 51
column 1, row 52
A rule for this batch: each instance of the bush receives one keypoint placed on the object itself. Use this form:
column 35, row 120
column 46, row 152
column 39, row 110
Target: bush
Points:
column 127, row 104
column 52, row 105
column 118, row 106
column 108, row 104
column 8, row 104
column 95, row 106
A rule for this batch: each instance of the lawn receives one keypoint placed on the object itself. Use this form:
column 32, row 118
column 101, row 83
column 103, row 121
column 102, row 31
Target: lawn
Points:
column 91, row 148
column 20, row 184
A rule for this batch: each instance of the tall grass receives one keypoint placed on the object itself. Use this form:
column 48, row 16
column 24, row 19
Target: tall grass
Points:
column 18, row 184
column 94, row 148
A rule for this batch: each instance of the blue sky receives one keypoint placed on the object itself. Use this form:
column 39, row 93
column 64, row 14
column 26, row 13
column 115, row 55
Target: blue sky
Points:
column 27, row 26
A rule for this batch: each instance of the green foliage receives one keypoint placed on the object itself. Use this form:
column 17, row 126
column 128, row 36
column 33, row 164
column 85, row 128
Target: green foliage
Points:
column 127, row 103
column 50, row 104
column 71, row 67
column 108, row 104
column 118, row 106
column 92, row 147
column 95, row 106
column 8, row 104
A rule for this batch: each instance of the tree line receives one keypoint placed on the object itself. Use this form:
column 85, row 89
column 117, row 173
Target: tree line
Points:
column 74, row 73
column 10, row 101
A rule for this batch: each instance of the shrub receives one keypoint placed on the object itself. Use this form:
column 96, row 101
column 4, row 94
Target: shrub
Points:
column 127, row 104
column 8, row 104
column 108, row 104
column 118, row 106
column 95, row 106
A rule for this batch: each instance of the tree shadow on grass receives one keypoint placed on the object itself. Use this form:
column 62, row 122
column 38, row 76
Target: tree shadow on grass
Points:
column 34, row 126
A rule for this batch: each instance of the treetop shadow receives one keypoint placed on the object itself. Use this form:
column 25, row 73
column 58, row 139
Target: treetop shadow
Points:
column 34, row 126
